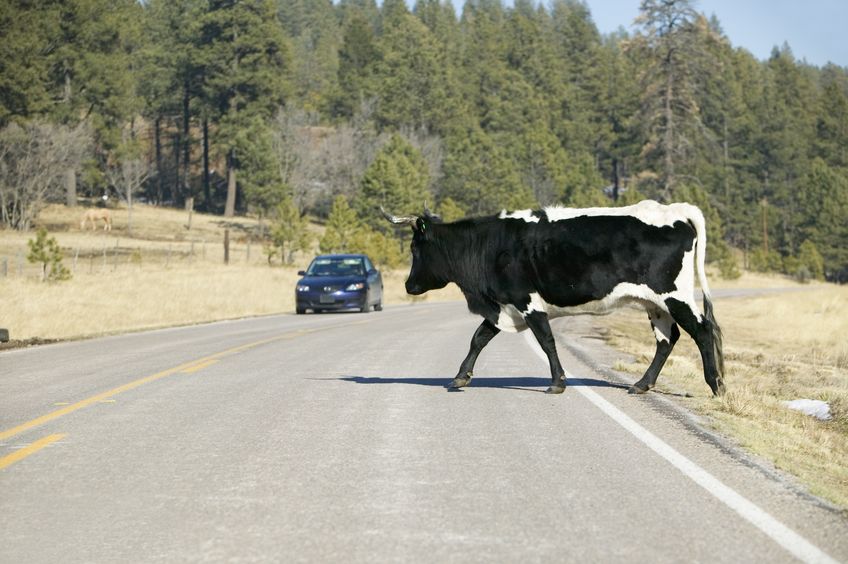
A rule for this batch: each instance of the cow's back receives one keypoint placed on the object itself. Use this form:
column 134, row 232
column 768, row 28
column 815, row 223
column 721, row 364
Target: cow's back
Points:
column 574, row 261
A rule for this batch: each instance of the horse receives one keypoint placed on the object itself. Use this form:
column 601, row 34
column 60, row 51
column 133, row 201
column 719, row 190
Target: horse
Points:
column 94, row 215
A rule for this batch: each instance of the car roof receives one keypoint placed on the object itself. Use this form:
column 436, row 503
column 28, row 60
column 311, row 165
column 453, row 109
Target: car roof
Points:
column 342, row 256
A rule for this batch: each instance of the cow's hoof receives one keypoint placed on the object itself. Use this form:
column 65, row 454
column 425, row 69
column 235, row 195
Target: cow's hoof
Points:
column 555, row 389
column 719, row 390
column 457, row 383
column 636, row 389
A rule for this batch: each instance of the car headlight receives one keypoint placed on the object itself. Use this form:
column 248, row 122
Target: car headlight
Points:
column 355, row 286
column 302, row 288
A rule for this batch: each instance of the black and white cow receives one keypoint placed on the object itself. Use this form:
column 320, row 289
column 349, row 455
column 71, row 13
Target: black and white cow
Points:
column 519, row 269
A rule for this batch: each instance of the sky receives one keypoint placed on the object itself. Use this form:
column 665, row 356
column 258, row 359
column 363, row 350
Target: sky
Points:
column 814, row 29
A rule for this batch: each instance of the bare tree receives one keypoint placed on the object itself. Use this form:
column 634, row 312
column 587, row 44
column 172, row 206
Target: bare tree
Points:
column 430, row 147
column 129, row 169
column 318, row 163
column 34, row 160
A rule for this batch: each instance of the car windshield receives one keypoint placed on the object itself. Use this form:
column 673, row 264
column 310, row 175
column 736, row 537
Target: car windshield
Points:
column 336, row 267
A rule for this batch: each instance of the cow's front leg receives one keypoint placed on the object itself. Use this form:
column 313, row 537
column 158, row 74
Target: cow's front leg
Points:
column 481, row 338
column 538, row 323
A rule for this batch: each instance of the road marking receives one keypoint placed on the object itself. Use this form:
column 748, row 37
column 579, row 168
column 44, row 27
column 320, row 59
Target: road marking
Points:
column 791, row 541
column 109, row 394
column 19, row 455
column 199, row 366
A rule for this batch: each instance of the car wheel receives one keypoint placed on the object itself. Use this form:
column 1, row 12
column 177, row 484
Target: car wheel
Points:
column 378, row 306
column 300, row 310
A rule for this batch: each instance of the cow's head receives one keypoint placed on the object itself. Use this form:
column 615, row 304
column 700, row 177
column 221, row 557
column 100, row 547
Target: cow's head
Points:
column 428, row 262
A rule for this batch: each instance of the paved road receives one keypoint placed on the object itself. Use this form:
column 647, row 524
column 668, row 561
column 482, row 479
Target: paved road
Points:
column 330, row 438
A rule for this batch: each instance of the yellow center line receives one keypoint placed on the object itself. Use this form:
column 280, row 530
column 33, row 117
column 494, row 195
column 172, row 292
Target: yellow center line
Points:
column 194, row 364
column 28, row 450
column 200, row 366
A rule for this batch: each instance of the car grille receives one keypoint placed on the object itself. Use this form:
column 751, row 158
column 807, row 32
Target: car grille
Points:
column 330, row 289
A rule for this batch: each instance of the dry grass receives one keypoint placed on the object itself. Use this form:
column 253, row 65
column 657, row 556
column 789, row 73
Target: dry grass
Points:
column 777, row 347
column 163, row 275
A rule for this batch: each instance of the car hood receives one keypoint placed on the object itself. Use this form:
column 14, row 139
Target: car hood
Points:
column 330, row 280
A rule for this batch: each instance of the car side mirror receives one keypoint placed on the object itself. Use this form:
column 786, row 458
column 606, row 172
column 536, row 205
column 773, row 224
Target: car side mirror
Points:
column 301, row 273
column 372, row 272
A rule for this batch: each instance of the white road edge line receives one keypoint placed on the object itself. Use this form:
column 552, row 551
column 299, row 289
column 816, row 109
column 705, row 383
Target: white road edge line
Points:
column 791, row 541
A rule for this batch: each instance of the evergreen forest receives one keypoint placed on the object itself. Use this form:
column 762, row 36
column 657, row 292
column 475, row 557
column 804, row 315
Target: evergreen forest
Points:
column 328, row 109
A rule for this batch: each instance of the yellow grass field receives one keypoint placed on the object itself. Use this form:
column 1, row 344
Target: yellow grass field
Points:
column 778, row 347
column 163, row 275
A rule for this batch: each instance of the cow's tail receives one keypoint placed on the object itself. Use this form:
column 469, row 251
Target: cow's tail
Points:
column 696, row 218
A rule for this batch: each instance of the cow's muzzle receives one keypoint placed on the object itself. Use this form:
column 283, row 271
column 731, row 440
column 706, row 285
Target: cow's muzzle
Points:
column 414, row 289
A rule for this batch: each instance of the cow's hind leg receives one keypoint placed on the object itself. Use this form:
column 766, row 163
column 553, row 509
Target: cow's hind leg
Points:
column 704, row 332
column 538, row 323
column 667, row 334
column 481, row 338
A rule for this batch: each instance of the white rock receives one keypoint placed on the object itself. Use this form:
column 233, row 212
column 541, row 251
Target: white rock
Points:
column 815, row 408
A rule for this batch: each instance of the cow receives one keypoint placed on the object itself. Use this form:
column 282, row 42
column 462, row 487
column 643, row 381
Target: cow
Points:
column 518, row 270
column 95, row 214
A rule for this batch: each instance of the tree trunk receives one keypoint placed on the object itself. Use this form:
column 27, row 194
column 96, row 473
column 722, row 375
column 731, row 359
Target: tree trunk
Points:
column 668, row 140
column 207, row 191
column 230, row 208
column 71, row 187
column 160, row 189
column 616, row 180
column 175, row 191
column 70, row 174
column 186, row 141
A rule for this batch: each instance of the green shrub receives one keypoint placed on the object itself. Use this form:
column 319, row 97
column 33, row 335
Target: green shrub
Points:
column 45, row 251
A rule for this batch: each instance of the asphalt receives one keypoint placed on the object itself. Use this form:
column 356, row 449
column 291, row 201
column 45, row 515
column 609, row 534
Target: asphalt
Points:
column 331, row 438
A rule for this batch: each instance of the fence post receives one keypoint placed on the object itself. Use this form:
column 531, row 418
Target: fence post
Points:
column 76, row 256
column 247, row 259
column 226, row 246
column 5, row 267
column 189, row 208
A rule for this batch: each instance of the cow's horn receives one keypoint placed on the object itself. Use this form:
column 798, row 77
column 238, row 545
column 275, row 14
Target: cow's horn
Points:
column 409, row 220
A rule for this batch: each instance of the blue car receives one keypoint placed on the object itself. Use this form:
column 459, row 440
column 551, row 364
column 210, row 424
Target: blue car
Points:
column 339, row 282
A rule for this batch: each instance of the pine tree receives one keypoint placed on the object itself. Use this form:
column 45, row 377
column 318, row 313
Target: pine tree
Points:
column 45, row 252
column 480, row 177
column 342, row 227
column 397, row 180
column 671, row 47
column 170, row 81
column 246, row 60
column 29, row 30
column 824, row 201
column 313, row 28
column 359, row 56
column 411, row 78
column 290, row 232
